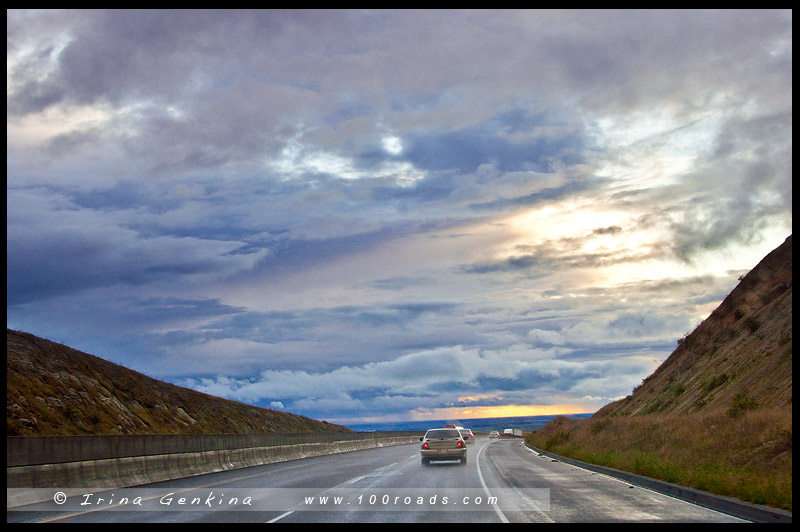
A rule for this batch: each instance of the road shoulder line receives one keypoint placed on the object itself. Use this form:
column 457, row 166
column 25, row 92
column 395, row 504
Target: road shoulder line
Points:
column 727, row 505
column 497, row 510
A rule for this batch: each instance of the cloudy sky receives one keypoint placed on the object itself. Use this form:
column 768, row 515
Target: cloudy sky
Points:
column 392, row 215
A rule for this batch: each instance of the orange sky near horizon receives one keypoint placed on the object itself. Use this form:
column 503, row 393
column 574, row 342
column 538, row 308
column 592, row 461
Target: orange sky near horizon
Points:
column 479, row 412
column 476, row 412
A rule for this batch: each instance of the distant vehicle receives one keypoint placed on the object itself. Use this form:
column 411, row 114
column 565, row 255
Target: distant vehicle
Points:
column 467, row 435
column 494, row 434
column 443, row 444
column 449, row 426
column 512, row 432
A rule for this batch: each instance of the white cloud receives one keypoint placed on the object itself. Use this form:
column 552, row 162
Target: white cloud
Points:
column 393, row 145
column 391, row 209
column 545, row 337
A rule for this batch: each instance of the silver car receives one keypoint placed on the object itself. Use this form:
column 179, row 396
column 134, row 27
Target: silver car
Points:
column 443, row 444
column 468, row 436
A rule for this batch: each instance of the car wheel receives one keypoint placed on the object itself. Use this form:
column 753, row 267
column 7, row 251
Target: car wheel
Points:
column 425, row 461
column 464, row 460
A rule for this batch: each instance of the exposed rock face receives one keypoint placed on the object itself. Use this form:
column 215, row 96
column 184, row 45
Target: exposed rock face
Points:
column 55, row 390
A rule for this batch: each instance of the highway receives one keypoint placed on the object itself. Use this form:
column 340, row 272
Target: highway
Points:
column 503, row 481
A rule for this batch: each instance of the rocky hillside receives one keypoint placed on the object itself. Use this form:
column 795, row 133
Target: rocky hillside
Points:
column 738, row 359
column 717, row 414
column 55, row 390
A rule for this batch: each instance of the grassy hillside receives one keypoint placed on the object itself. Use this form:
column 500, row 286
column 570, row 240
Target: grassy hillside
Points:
column 739, row 357
column 748, row 457
column 717, row 414
column 56, row 390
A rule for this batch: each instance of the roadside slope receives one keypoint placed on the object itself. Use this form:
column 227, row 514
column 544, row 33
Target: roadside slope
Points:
column 52, row 389
column 717, row 414
column 739, row 357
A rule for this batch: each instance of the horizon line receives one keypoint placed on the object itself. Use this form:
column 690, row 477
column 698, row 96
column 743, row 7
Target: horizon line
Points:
column 363, row 422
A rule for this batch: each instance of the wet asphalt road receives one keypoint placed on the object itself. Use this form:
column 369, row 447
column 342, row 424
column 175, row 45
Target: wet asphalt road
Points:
column 503, row 481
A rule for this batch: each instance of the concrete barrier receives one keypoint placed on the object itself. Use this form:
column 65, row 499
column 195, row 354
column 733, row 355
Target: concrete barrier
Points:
column 122, row 461
column 31, row 450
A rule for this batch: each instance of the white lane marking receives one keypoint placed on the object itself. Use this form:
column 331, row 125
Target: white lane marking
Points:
column 497, row 510
column 353, row 480
column 525, row 497
column 281, row 516
column 379, row 472
column 623, row 481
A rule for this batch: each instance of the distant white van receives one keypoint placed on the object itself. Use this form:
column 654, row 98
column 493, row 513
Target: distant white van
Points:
column 508, row 432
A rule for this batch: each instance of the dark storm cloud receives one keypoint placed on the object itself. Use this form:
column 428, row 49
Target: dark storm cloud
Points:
column 521, row 263
column 616, row 60
column 167, row 308
column 574, row 185
column 183, row 59
column 436, row 186
column 194, row 106
column 611, row 230
column 510, row 141
column 118, row 55
column 319, row 208
column 349, row 334
column 401, row 283
column 55, row 248
column 730, row 194
column 562, row 254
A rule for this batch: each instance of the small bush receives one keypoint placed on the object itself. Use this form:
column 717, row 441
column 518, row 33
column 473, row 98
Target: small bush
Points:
column 559, row 438
column 717, row 381
column 598, row 426
column 741, row 403
column 752, row 324
column 655, row 406
column 678, row 389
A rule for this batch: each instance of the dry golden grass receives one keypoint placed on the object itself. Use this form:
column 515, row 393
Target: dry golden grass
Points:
column 746, row 456
column 717, row 414
column 52, row 390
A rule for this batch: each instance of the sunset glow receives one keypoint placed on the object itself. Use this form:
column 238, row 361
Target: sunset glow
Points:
column 508, row 213
column 501, row 411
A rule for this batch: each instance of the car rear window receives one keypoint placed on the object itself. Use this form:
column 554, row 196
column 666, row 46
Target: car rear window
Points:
column 443, row 433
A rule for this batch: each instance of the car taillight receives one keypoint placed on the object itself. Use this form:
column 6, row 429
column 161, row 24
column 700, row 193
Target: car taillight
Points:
column 460, row 444
column 425, row 445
